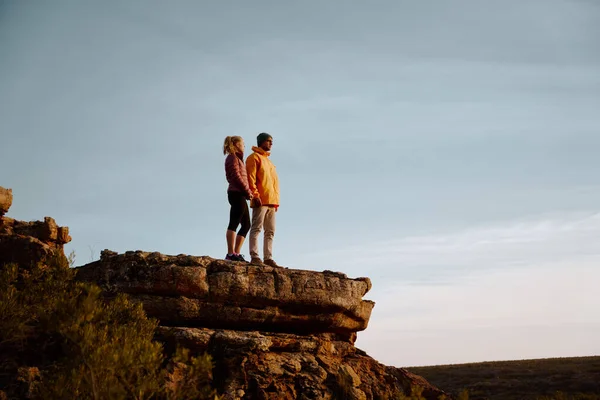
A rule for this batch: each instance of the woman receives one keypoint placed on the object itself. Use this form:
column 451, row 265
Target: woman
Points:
column 237, row 193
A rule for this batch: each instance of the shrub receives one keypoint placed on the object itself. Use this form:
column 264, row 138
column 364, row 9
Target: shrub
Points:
column 60, row 339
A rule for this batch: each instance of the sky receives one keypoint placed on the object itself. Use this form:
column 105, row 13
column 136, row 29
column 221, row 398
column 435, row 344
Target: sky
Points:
column 446, row 150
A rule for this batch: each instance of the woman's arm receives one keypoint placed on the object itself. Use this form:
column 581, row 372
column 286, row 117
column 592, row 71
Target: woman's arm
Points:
column 235, row 174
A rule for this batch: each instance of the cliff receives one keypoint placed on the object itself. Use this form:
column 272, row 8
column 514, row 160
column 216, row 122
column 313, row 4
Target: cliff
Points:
column 273, row 333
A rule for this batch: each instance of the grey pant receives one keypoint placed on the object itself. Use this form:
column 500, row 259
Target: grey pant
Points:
column 262, row 217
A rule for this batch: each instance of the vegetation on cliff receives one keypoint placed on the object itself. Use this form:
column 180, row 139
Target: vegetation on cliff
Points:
column 60, row 339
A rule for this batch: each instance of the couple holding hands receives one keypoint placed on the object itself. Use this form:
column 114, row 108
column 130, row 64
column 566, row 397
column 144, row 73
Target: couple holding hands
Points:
column 255, row 180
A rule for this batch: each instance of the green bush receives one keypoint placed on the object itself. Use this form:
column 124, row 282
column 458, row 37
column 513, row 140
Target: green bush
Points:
column 60, row 339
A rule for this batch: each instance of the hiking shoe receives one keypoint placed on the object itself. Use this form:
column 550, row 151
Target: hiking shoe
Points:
column 231, row 257
column 240, row 257
column 256, row 260
column 271, row 263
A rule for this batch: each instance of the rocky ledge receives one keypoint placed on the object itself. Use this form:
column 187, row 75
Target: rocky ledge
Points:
column 274, row 366
column 205, row 292
column 25, row 243
column 273, row 333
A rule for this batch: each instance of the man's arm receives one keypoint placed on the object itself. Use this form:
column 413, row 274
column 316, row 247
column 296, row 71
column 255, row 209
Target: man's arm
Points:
column 251, row 170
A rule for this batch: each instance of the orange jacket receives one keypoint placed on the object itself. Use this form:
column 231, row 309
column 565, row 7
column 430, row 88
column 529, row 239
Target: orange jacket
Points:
column 262, row 177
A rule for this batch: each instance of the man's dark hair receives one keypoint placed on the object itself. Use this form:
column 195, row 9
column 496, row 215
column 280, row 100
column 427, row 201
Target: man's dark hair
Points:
column 262, row 137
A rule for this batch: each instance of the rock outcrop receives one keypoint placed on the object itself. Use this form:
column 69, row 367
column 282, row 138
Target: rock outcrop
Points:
column 201, row 291
column 6, row 198
column 273, row 366
column 28, row 242
column 274, row 333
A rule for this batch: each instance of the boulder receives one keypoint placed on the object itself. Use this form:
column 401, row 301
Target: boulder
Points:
column 6, row 198
column 23, row 250
column 47, row 231
column 28, row 243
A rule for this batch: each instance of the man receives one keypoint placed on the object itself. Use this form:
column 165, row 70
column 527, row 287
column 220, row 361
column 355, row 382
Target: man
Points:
column 264, row 184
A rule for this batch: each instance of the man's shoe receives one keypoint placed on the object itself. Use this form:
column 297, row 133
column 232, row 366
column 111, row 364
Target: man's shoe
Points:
column 271, row 263
column 256, row 260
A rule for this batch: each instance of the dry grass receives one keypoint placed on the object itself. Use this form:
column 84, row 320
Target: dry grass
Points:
column 550, row 378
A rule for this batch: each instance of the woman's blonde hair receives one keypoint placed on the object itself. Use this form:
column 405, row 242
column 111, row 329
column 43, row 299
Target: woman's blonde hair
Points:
column 229, row 145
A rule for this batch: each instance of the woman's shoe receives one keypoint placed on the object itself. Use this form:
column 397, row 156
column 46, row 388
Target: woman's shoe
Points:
column 240, row 257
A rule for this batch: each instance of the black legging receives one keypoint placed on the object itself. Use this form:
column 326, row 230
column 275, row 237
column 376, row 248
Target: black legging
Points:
column 239, row 213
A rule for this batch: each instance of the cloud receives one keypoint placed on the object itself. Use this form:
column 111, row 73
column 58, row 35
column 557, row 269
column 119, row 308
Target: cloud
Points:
column 546, row 311
column 449, row 256
column 526, row 289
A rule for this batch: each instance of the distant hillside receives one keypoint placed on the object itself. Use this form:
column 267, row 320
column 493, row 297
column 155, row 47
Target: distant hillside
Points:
column 574, row 377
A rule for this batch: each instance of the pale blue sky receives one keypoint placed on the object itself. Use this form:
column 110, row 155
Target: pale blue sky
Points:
column 447, row 150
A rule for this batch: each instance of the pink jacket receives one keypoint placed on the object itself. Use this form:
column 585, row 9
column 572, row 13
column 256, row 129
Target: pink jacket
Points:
column 235, row 172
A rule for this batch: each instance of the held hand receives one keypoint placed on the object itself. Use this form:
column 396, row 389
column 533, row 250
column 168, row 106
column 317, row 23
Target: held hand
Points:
column 255, row 202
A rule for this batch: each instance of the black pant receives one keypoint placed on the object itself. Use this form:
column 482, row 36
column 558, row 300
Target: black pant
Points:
column 239, row 213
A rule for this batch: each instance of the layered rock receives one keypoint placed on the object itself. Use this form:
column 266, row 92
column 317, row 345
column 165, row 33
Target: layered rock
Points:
column 28, row 243
column 261, row 365
column 273, row 333
column 201, row 291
